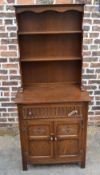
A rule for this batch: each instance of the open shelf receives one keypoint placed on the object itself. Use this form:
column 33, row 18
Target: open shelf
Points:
column 51, row 71
column 49, row 32
column 50, row 21
column 50, row 59
column 50, row 46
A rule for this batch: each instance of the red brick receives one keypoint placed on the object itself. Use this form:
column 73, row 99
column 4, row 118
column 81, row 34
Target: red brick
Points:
column 94, row 35
column 13, row 35
column 3, row 60
column 97, row 113
column 13, row 72
column 2, row 47
column 2, row 110
column 4, row 99
column 64, row 1
column 96, row 53
column 98, row 76
column 1, row 7
column 8, row 21
column 97, row 97
column 3, row 119
column 13, row 94
column 2, row 28
column 1, row 21
column 85, row 65
column 3, row 77
column 85, row 35
column 8, row 54
column 12, row 47
column 87, row 21
column 94, row 47
column 1, row 2
column 97, row 41
column 3, row 35
column 24, row 1
column 87, row 41
column 87, row 53
column 10, row 28
column 96, row 21
column 14, row 77
column 14, row 60
column 9, row 8
column 3, row 72
column 9, row 83
column 6, row 94
column 96, row 28
column 14, row 88
column 11, row 1
column 15, row 114
column 8, row 104
column 7, row 15
column 96, row 117
column 9, row 66
column 11, row 119
column 8, row 41
column 83, row 1
column 91, row 8
column 12, row 110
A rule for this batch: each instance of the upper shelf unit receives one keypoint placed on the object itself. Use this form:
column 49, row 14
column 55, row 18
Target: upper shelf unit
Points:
column 67, row 21
column 49, row 47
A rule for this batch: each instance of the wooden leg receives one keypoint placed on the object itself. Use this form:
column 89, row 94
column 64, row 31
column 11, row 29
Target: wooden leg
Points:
column 24, row 166
column 24, row 163
column 82, row 164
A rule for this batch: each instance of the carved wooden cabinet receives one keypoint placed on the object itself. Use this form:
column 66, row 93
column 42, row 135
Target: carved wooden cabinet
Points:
column 52, row 104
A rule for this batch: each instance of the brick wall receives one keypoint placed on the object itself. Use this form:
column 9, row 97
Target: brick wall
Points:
column 9, row 62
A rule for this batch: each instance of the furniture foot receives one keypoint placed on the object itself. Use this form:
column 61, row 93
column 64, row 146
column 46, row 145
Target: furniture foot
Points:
column 24, row 166
column 82, row 164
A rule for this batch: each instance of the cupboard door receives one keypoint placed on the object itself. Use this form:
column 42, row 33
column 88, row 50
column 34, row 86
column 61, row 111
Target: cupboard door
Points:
column 40, row 140
column 67, row 139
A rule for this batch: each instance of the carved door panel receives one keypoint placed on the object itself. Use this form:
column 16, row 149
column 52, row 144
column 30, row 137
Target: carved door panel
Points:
column 67, row 139
column 40, row 140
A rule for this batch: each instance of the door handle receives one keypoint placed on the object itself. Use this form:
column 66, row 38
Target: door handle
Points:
column 51, row 138
column 55, row 138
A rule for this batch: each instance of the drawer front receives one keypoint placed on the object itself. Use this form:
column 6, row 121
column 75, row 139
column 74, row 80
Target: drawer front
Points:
column 52, row 111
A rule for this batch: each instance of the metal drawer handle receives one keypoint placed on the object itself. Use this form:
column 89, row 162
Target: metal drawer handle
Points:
column 30, row 113
column 72, row 113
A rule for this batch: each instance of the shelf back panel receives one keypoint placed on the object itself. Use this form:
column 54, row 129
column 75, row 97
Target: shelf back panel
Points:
column 49, row 21
column 50, row 46
column 51, row 72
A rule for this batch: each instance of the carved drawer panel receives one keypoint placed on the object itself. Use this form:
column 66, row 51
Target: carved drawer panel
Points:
column 68, row 129
column 51, row 111
column 37, row 130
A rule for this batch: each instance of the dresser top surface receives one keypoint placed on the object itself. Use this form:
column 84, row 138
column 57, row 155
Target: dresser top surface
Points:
column 51, row 93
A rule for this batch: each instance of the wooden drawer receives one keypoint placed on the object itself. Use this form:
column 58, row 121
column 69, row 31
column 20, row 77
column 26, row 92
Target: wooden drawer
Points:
column 52, row 111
